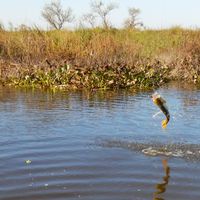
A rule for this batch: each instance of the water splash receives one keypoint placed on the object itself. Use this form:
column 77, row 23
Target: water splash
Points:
column 181, row 150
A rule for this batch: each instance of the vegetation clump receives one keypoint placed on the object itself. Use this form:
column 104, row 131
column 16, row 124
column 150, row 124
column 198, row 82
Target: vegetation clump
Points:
column 99, row 57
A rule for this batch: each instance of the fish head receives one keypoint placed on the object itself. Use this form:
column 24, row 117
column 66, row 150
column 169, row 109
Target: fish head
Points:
column 155, row 96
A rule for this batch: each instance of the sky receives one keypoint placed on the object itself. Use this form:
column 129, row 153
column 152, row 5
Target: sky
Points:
column 154, row 13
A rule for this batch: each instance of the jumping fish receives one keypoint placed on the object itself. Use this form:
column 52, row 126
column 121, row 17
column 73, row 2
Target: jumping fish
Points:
column 161, row 103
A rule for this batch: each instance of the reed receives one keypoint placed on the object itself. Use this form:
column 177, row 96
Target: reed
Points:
column 99, row 58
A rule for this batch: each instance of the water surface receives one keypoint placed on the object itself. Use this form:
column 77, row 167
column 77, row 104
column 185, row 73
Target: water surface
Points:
column 99, row 145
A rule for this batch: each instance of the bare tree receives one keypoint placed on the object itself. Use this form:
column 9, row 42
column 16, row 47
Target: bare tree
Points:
column 102, row 10
column 132, row 21
column 90, row 19
column 54, row 14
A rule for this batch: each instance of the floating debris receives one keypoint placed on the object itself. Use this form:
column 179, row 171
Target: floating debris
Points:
column 161, row 103
column 28, row 162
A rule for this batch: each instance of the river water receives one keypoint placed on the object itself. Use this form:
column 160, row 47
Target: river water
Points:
column 99, row 145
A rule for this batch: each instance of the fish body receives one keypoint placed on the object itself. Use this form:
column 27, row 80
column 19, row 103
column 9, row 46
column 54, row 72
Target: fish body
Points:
column 161, row 103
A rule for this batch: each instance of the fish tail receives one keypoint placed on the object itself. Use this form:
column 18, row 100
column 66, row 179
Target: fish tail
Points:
column 164, row 123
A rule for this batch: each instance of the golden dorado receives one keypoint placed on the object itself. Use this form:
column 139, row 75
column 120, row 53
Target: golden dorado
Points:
column 161, row 103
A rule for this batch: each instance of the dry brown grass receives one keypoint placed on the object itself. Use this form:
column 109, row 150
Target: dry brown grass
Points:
column 28, row 51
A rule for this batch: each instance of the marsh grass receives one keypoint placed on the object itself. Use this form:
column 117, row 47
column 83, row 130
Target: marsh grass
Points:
column 99, row 58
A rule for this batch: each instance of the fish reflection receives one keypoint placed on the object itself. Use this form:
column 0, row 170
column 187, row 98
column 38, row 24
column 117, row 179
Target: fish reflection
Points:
column 161, row 187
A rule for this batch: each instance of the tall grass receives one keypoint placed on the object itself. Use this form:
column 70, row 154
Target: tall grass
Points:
column 99, row 58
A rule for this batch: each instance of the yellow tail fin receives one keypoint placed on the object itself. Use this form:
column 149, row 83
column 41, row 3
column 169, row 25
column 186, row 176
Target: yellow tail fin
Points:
column 164, row 123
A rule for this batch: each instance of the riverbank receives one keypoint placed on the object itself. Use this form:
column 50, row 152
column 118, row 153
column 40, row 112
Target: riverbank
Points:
column 99, row 58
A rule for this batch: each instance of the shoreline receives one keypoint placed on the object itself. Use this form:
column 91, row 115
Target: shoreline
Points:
column 99, row 58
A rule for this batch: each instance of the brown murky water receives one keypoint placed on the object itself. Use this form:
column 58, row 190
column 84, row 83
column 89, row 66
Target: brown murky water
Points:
column 98, row 146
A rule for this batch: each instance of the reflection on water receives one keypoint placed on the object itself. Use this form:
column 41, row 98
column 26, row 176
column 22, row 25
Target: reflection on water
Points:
column 161, row 187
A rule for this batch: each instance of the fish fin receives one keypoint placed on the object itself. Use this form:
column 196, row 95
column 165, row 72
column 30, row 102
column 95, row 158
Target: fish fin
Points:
column 159, row 112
